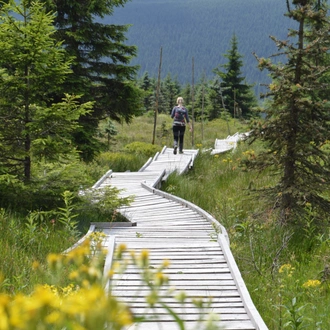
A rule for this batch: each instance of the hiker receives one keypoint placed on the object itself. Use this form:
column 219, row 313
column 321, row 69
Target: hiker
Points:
column 180, row 115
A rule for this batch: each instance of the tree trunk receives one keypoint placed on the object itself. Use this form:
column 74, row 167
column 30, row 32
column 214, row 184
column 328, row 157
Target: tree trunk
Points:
column 289, row 177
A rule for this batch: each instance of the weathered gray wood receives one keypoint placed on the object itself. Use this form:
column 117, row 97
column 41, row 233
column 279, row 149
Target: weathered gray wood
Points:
column 252, row 311
column 185, row 283
column 228, row 325
column 196, row 245
column 104, row 225
column 81, row 240
column 229, row 303
column 224, row 299
column 184, row 276
column 192, row 294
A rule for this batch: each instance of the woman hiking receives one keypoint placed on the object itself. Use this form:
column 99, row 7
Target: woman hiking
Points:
column 180, row 115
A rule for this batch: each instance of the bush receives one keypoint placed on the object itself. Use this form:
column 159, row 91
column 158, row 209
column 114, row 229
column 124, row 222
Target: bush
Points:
column 120, row 161
column 142, row 148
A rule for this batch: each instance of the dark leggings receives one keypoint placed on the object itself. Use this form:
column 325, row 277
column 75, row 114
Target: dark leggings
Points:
column 178, row 134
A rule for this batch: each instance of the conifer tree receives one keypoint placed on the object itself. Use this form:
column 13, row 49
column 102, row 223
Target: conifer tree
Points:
column 201, row 100
column 297, row 126
column 171, row 90
column 32, row 65
column 148, row 86
column 236, row 92
column 186, row 94
column 215, row 100
column 101, row 70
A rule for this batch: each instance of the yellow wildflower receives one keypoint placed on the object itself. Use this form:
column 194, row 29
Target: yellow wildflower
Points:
column 144, row 258
column 166, row 263
column 160, row 278
column 287, row 269
column 152, row 298
column 53, row 260
column 74, row 275
column 35, row 265
column 120, row 250
column 311, row 284
column 54, row 317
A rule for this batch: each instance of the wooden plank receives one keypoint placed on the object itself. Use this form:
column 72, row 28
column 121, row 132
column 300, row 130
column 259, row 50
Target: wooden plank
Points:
column 196, row 317
column 195, row 257
column 140, row 243
column 192, row 293
column 135, row 205
column 172, row 208
column 181, row 311
column 179, row 248
column 172, row 234
column 203, row 291
column 168, row 325
column 194, row 268
column 163, row 208
column 175, row 220
column 225, row 299
column 162, row 253
column 171, row 226
column 183, row 270
column 184, row 283
column 145, row 232
column 188, row 304
column 176, row 276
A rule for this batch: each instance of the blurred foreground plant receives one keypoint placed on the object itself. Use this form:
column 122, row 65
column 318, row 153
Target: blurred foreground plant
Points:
column 75, row 295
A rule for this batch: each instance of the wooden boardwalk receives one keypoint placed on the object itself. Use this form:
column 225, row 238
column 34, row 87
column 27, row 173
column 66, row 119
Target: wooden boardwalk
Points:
column 223, row 145
column 196, row 245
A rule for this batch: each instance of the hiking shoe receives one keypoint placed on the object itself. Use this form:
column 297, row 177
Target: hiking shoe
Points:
column 175, row 150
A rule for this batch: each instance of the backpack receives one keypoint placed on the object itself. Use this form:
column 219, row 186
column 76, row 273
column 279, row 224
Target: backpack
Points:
column 179, row 114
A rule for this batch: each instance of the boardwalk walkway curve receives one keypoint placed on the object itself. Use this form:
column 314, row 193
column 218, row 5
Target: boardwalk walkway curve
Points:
column 196, row 244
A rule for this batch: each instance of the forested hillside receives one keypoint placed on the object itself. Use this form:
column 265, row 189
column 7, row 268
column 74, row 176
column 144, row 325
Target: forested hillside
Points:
column 201, row 29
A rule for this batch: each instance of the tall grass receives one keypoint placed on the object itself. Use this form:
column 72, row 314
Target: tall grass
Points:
column 204, row 135
column 286, row 269
column 22, row 244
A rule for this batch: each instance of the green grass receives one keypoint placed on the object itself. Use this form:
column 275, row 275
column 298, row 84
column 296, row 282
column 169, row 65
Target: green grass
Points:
column 22, row 245
column 278, row 264
column 286, row 299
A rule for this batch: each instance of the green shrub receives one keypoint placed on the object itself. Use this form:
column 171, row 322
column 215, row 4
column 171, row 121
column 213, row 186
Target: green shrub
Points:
column 142, row 148
column 121, row 161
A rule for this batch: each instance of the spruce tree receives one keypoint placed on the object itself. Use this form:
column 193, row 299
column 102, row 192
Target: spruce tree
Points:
column 171, row 90
column 32, row 66
column 236, row 92
column 215, row 101
column 101, row 70
column 201, row 100
column 186, row 94
column 148, row 86
column 297, row 126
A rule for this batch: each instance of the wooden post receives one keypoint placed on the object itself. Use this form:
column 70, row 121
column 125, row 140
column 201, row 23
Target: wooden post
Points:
column 234, row 103
column 203, row 96
column 192, row 104
column 224, row 107
column 157, row 97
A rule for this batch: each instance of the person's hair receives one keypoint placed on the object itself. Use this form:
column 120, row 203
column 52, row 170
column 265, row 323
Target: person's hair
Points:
column 179, row 100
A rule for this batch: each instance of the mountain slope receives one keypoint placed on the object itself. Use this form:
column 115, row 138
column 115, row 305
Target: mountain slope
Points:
column 201, row 29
